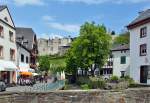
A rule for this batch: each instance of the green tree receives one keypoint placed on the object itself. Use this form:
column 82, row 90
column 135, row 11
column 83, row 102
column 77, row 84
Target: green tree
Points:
column 44, row 63
column 91, row 47
column 123, row 38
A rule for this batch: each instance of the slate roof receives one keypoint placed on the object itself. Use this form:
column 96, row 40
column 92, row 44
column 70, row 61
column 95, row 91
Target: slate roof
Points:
column 2, row 7
column 142, row 16
column 28, row 35
column 120, row 47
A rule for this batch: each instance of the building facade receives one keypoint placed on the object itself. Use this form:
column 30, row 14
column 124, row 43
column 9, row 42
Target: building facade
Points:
column 140, row 47
column 27, row 37
column 118, row 63
column 23, row 54
column 8, row 49
column 53, row 46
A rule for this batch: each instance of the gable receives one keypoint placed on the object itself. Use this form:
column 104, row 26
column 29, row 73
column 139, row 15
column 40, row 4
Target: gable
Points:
column 6, row 17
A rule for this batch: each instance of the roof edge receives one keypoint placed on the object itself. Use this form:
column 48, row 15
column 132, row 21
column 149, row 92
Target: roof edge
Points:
column 139, row 23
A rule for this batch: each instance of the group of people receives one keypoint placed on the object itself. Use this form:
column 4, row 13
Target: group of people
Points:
column 43, row 78
column 25, row 80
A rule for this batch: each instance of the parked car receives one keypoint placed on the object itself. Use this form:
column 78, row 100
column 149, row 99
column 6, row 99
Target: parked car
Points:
column 2, row 86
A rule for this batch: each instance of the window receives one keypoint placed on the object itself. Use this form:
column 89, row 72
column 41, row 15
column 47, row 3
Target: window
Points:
column 1, row 31
column 143, row 50
column 59, row 41
column 22, row 58
column 122, row 74
column 143, row 32
column 11, row 37
column 12, row 54
column 27, row 59
column 110, row 63
column 123, row 60
column 123, row 51
column 51, row 48
column 6, row 19
column 1, row 51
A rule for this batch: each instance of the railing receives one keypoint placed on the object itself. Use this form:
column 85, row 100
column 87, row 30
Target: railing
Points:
column 46, row 87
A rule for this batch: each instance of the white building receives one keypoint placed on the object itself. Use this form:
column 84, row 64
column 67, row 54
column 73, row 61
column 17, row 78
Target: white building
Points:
column 140, row 47
column 118, row 64
column 23, row 55
column 121, row 60
column 8, row 51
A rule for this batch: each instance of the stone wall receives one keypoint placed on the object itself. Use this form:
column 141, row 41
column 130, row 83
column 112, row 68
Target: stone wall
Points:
column 94, row 96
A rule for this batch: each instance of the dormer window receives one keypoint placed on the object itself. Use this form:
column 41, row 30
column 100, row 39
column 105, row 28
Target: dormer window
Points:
column 143, row 32
column 6, row 19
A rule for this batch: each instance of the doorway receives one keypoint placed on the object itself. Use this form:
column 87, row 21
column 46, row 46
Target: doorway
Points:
column 143, row 74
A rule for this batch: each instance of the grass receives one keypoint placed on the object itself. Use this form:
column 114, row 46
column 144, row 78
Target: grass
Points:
column 58, row 61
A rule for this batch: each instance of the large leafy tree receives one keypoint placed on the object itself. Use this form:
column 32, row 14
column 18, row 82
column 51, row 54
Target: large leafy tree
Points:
column 44, row 63
column 91, row 47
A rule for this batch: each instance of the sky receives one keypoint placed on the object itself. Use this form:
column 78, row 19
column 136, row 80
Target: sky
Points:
column 64, row 17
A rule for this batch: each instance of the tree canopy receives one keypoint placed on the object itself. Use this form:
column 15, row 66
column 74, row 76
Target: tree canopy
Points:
column 91, row 47
column 44, row 63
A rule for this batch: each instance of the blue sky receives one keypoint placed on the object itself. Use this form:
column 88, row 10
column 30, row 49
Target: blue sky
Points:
column 64, row 17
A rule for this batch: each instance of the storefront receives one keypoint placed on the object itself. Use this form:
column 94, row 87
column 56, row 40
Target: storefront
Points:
column 8, row 72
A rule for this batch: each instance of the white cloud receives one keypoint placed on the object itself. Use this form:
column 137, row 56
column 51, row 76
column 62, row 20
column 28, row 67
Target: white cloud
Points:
column 53, row 35
column 48, row 18
column 49, row 36
column 105, row 1
column 28, row 2
column 72, row 28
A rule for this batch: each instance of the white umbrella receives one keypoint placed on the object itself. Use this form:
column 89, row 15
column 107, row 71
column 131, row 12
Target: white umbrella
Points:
column 35, row 74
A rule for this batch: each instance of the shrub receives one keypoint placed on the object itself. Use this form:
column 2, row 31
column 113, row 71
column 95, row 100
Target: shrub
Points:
column 97, row 82
column 92, row 82
column 82, row 80
column 66, row 87
column 102, row 84
column 85, row 87
column 127, row 77
column 114, row 79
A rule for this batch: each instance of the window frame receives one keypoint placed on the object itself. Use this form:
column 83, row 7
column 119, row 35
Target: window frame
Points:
column 11, row 36
column 143, row 32
column 141, row 46
column 1, row 51
column 121, row 60
column 22, row 58
column 27, row 59
column 2, row 32
column 12, row 56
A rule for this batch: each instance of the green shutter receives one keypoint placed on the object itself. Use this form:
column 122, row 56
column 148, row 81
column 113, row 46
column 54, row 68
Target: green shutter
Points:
column 123, row 60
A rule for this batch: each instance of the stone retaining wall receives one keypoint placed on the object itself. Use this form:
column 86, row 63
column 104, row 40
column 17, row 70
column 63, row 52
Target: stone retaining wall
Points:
column 94, row 96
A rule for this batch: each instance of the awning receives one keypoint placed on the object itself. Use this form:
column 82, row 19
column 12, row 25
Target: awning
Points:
column 31, row 70
column 35, row 74
column 7, row 66
column 26, row 73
